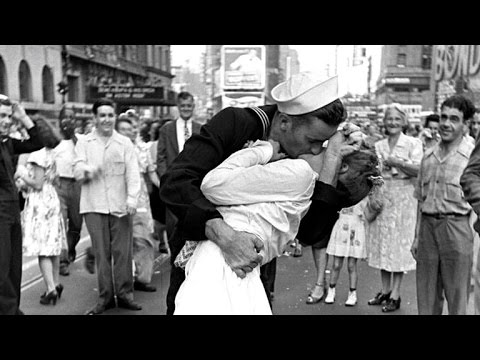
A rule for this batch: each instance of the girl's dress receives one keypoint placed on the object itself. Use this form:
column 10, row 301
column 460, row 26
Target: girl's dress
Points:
column 42, row 222
column 348, row 235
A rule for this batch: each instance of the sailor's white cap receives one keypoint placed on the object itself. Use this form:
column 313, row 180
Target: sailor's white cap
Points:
column 304, row 93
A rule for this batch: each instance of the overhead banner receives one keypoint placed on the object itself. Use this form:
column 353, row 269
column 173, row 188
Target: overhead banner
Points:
column 244, row 67
column 453, row 62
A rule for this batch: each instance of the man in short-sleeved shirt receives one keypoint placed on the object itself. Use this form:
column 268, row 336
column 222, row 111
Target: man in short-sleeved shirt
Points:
column 443, row 247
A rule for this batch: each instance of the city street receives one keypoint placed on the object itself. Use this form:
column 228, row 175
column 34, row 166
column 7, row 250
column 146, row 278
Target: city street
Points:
column 295, row 277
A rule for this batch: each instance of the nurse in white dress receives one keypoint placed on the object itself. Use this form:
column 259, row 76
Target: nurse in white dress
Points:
column 254, row 195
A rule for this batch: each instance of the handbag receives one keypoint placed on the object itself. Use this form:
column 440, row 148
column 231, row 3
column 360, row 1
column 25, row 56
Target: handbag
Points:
column 374, row 206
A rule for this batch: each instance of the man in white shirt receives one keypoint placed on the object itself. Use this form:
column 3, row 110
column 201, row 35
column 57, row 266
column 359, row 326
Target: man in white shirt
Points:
column 107, row 167
column 172, row 138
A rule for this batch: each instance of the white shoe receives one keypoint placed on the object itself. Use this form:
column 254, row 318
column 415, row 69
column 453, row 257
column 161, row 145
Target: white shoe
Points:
column 352, row 298
column 330, row 299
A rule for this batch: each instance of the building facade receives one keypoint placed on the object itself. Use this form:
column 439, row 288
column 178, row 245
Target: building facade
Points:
column 405, row 76
column 29, row 74
column 45, row 77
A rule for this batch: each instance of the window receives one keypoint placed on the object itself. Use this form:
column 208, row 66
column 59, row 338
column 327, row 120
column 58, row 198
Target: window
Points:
column 47, row 86
column 426, row 57
column 401, row 60
column 3, row 78
column 25, row 81
column 73, row 95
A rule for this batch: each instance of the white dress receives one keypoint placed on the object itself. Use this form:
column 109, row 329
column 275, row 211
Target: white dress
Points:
column 267, row 200
column 348, row 234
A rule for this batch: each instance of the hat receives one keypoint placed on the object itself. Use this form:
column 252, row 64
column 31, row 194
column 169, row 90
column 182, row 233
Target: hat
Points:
column 303, row 93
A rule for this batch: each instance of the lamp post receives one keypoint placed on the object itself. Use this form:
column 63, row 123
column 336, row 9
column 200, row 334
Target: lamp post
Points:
column 62, row 86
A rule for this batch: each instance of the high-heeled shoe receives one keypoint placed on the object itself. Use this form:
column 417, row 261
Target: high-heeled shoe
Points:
column 392, row 305
column 48, row 298
column 59, row 289
column 314, row 299
column 379, row 299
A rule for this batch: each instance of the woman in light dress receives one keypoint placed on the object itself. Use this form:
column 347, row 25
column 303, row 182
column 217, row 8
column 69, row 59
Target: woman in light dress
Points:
column 42, row 223
column 391, row 234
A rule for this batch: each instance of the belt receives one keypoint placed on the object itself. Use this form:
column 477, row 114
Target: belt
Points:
column 67, row 178
column 445, row 215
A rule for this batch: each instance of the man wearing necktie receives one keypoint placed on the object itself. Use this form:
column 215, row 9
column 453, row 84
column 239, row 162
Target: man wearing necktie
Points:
column 172, row 138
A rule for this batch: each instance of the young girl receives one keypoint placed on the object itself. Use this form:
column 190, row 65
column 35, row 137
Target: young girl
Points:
column 42, row 223
column 348, row 240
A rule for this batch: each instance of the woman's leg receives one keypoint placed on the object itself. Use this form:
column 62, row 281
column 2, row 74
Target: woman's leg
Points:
column 396, row 284
column 56, row 269
column 352, row 273
column 386, row 281
column 320, row 259
column 46, row 269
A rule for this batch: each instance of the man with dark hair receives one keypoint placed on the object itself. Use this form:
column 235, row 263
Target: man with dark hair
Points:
column 443, row 244
column 10, row 224
column 107, row 167
column 429, row 134
column 68, row 189
column 172, row 137
column 316, row 107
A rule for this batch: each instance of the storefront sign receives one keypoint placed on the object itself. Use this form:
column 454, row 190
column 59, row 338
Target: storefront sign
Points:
column 453, row 61
column 129, row 94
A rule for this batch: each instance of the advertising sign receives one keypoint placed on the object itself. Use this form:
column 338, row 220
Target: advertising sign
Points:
column 244, row 67
column 129, row 94
column 458, row 61
column 243, row 99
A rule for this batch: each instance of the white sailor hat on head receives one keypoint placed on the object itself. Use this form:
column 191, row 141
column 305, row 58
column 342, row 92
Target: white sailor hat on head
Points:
column 304, row 93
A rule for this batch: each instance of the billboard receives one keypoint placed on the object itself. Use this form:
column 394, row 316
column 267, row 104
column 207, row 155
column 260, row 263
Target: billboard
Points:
column 244, row 67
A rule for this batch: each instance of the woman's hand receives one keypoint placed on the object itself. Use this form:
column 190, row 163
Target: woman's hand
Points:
column 277, row 154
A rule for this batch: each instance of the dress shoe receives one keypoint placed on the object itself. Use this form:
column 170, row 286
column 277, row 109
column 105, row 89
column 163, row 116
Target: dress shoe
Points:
column 59, row 289
column 128, row 304
column 392, row 305
column 48, row 298
column 64, row 270
column 144, row 287
column 311, row 299
column 100, row 308
column 379, row 299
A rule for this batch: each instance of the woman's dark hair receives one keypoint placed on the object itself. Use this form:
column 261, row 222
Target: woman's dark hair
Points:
column 145, row 131
column 365, row 165
column 46, row 132
column 332, row 114
column 156, row 132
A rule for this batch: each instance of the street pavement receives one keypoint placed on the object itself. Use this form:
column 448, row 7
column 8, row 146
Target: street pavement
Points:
column 295, row 277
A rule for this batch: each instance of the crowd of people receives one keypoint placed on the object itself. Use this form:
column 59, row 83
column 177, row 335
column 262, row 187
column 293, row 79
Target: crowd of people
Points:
column 226, row 199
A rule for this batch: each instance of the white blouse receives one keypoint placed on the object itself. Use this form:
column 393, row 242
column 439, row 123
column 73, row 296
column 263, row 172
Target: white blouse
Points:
column 266, row 199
